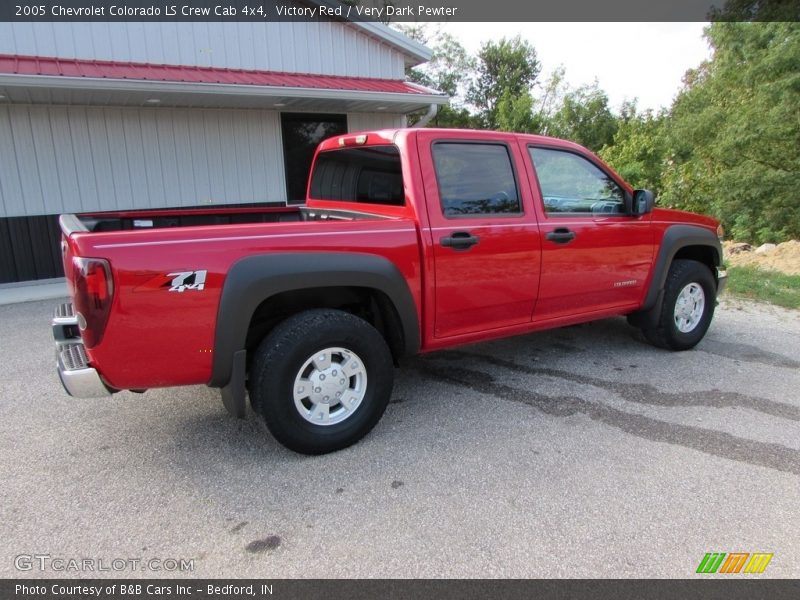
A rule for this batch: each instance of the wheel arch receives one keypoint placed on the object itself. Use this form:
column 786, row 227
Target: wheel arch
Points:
column 253, row 282
column 679, row 242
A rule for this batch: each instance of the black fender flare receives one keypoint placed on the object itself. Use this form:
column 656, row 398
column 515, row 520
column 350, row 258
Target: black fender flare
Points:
column 675, row 238
column 254, row 279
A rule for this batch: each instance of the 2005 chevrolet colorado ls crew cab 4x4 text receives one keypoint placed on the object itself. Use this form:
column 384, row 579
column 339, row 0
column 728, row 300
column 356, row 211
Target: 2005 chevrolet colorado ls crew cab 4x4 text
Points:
column 411, row 240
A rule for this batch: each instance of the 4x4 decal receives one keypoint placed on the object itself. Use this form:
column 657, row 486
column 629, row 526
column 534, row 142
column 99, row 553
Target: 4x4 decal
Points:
column 177, row 281
column 188, row 280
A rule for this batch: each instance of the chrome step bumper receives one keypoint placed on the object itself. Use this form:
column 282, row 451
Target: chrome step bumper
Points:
column 78, row 378
column 65, row 325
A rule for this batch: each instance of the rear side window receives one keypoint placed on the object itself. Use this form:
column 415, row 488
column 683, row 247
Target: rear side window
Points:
column 371, row 175
column 475, row 179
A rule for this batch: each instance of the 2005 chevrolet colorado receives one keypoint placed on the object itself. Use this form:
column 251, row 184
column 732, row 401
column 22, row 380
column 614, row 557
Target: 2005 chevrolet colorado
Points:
column 411, row 240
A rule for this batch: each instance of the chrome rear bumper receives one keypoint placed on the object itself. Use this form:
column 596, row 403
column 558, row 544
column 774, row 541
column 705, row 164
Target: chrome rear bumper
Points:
column 78, row 378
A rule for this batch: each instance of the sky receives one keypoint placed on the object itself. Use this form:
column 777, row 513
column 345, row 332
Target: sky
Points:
column 630, row 60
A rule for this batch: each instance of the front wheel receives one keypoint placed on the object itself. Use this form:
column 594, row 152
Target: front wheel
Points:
column 690, row 294
column 321, row 380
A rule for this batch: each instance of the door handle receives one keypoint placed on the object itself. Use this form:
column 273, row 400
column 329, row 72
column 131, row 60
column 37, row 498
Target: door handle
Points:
column 562, row 235
column 460, row 240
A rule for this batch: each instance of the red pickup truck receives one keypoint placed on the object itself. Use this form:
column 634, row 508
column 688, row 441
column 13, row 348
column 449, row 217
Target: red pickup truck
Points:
column 411, row 240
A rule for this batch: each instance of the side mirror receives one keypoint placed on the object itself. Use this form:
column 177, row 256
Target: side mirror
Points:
column 643, row 201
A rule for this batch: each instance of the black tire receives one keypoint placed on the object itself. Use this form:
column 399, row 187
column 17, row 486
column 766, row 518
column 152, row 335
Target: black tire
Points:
column 681, row 274
column 282, row 354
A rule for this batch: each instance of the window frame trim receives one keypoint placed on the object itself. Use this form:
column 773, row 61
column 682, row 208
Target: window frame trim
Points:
column 588, row 157
column 509, row 153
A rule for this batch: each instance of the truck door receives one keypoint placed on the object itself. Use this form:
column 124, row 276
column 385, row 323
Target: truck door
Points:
column 595, row 257
column 486, row 245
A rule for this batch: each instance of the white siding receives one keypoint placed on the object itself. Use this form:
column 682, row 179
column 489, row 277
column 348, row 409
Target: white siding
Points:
column 323, row 48
column 377, row 120
column 56, row 159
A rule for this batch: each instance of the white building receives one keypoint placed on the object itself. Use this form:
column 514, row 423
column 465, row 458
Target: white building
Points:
column 107, row 116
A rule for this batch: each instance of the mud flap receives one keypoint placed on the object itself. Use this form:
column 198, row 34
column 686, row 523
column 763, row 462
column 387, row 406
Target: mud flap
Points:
column 648, row 318
column 233, row 394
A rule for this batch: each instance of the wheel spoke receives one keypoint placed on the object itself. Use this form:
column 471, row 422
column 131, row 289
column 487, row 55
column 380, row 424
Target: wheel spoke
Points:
column 321, row 412
column 322, row 361
column 352, row 366
column 302, row 389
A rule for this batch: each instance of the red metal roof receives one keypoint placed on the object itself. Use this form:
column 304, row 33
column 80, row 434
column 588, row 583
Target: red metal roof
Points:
column 102, row 69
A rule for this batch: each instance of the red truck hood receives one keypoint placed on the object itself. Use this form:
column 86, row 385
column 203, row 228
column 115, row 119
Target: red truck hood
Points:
column 668, row 215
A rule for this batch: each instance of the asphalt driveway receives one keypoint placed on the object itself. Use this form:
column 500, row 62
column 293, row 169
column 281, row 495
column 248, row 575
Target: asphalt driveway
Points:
column 580, row 452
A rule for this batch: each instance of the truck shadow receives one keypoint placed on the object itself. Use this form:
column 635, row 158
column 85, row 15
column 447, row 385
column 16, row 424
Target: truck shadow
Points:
column 478, row 369
column 748, row 353
column 477, row 372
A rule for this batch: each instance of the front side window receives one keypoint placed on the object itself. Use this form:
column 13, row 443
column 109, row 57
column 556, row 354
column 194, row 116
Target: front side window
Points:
column 372, row 175
column 475, row 179
column 572, row 184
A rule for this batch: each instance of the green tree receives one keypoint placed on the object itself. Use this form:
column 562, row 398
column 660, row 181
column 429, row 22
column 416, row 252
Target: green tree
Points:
column 549, row 101
column 734, row 132
column 639, row 148
column 448, row 71
column 508, row 68
column 450, row 66
column 585, row 118
column 515, row 113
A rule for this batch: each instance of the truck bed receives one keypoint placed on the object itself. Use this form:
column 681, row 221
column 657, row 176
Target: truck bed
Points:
column 191, row 217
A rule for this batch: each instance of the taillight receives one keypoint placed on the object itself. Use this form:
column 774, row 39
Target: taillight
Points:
column 94, row 290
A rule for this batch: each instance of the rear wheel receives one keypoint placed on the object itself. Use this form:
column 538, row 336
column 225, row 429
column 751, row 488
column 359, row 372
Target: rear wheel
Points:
column 689, row 298
column 321, row 380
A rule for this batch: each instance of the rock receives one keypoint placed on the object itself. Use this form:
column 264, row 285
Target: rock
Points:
column 739, row 247
column 765, row 248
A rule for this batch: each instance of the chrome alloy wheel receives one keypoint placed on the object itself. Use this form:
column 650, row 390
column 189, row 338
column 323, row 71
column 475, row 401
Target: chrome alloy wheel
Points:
column 330, row 386
column 689, row 307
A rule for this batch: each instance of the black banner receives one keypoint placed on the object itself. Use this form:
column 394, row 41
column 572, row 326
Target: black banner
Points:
column 400, row 10
column 339, row 589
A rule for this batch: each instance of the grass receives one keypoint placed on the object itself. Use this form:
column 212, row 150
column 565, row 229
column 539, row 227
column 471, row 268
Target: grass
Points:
column 765, row 286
